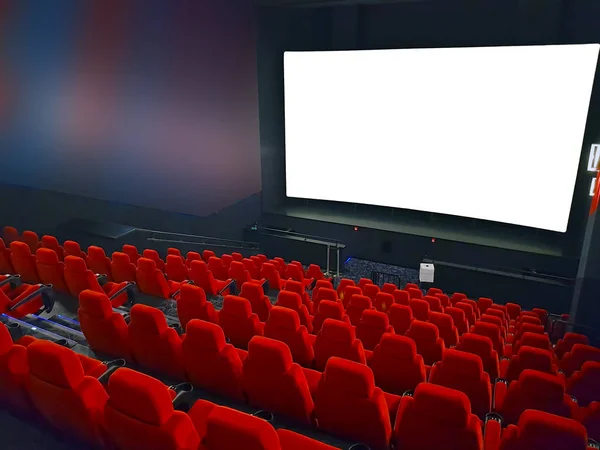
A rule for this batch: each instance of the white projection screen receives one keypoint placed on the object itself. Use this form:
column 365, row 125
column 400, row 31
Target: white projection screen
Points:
column 491, row 133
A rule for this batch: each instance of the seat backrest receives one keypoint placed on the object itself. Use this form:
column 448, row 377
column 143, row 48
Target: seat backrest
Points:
column 5, row 263
column 460, row 321
column 329, row 310
column 401, row 316
column 493, row 332
column 426, row 337
column 72, row 248
column 502, row 309
column 468, row 309
column 209, row 361
column 139, row 414
column 10, row 234
column 483, row 347
column 408, row 286
column 104, row 329
column 444, row 300
column 270, row 272
column 218, row 269
column 202, row 277
column 323, row 293
column 14, row 373
column 174, row 251
column 371, row 290
column 64, row 396
column 488, row 318
column 150, row 280
column 51, row 243
column 388, row 288
column 401, row 297
column 513, row 309
column 261, row 305
column 321, row 284
column 565, row 344
column 348, row 404
column 363, row 282
column 432, row 291
column 293, row 300
column 337, row 338
column 474, row 306
column 31, row 239
column 373, row 324
column 121, row 268
column 176, row 269
column 273, row 382
column 344, row 283
column 238, row 321
column 579, row 354
column 533, row 340
column 294, row 272
column 396, row 365
column 501, row 316
column 50, row 269
column 154, row 345
column 132, row 252
column 283, row 325
column 207, row 254
column 383, row 301
column 584, row 384
column 349, row 292
column 237, row 271
column 314, row 271
column 192, row 304
column 23, row 262
column 528, row 328
column 445, row 324
column 415, row 293
column 530, row 358
column 420, row 309
column 298, row 288
column 457, row 297
column 358, row 304
column 541, row 313
column 435, row 303
column 434, row 417
column 192, row 256
column 227, row 260
column 152, row 254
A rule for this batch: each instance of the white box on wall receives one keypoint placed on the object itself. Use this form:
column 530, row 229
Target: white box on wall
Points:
column 426, row 273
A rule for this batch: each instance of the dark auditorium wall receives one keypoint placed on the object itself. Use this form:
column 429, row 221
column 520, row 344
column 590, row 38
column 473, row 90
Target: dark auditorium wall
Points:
column 150, row 103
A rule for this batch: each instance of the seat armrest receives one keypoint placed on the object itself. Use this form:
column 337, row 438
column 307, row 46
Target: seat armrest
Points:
column 492, row 431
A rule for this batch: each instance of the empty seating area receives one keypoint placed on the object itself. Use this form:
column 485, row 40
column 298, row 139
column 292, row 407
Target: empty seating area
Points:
column 385, row 366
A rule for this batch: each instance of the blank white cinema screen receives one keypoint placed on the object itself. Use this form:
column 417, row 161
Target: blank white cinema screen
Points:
column 492, row 133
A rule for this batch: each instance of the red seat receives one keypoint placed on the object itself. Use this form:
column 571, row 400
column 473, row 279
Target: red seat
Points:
column 121, row 267
column 192, row 256
column 444, row 300
column 270, row 272
column 460, row 321
column 176, row 269
column 584, row 384
column 373, row 324
column 494, row 320
column 210, row 362
column 5, row 264
column 429, row 344
column 531, row 340
column 363, row 282
column 408, row 286
column 14, row 373
column 401, row 317
column 152, row 281
column 498, row 315
column 23, row 262
column 344, row 283
column 315, row 272
column 578, row 355
column 435, row 304
column 457, row 297
column 537, row 430
column 238, row 272
column 73, row 248
column 50, row 269
column 63, row 394
column 401, row 297
column 525, row 320
column 337, row 338
column 132, row 252
column 527, row 358
column 258, row 262
column 293, row 301
column 218, row 269
column 227, row 260
column 474, row 306
column 238, row 321
column 433, row 291
column 437, row 417
column 420, row 309
column 371, row 291
column 468, row 309
column 207, row 254
column 284, row 325
column 31, row 307
column 297, row 287
column 105, row 331
column 464, row 372
column 348, row 404
column 329, row 310
column 323, row 283
column 445, row 324
column 280, row 264
column 174, row 251
column 396, row 365
column 493, row 332
column 481, row 346
column 389, row 288
column 192, row 304
column 590, row 418
column 154, row 256
column 514, row 310
column 31, row 239
column 542, row 314
column 10, row 234
column 261, row 304
column 566, row 344
column 155, row 346
column 358, row 304
column 297, row 274
column 324, row 293
column 78, row 278
column 349, row 292
column 202, row 277
column 383, row 301
column 139, row 414
column 273, row 382
column 533, row 390
column 502, row 309
column 50, row 242
column 415, row 293
column 523, row 328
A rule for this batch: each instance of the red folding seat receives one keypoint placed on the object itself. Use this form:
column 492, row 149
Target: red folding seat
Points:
column 154, row 256
column 584, row 384
column 139, row 414
column 401, row 317
column 457, row 297
column 445, row 324
column 14, row 373
column 373, row 324
column 514, row 310
column 63, row 394
column 537, row 430
column 363, row 282
column 420, row 309
column 11, row 234
column 192, row 304
column 207, row 254
column 131, row 251
column 202, row 277
column 210, row 362
column 237, row 271
column 464, row 372
column 383, row 301
column 218, row 269
column 337, row 338
column 298, row 288
column 270, row 272
column 481, row 346
column 263, row 258
column 174, row 251
column 348, row 404
column 437, row 417
column 176, row 269
column 358, row 304
column 468, row 309
column 531, row 340
column 281, row 265
column 154, row 344
column 273, row 382
column 323, row 283
column 497, row 314
column 494, row 320
column 261, row 304
column 415, row 293
column 297, row 273
column 389, row 288
column 121, row 268
column 226, row 260
column 50, row 269
column 435, row 303
column 105, row 330
column 371, row 290
column 579, row 354
column 401, row 297
column 283, row 325
column 73, row 248
column 236, row 256
column 35, row 294
column 293, row 301
column 349, row 292
column 527, row 358
column 590, row 419
column 444, row 300
column 566, row 344
column 257, row 262
column 474, row 306
column 98, row 262
column 31, row 239
column 344, row 283
column 396, row 365
column 429, row 344
column 324, row 294
column 526, row 326
column 493, row 332
column 433, row 291
column 23, row 261
column 502, row 309
column 533, row 390
column 52, row 243
column 152, row 281
column 78, row 278
column 238, row 321
column 192, row 256
column 329, row 310
column 315, row 272
column 460, row 321
column 541, row 313
column 5, row 263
